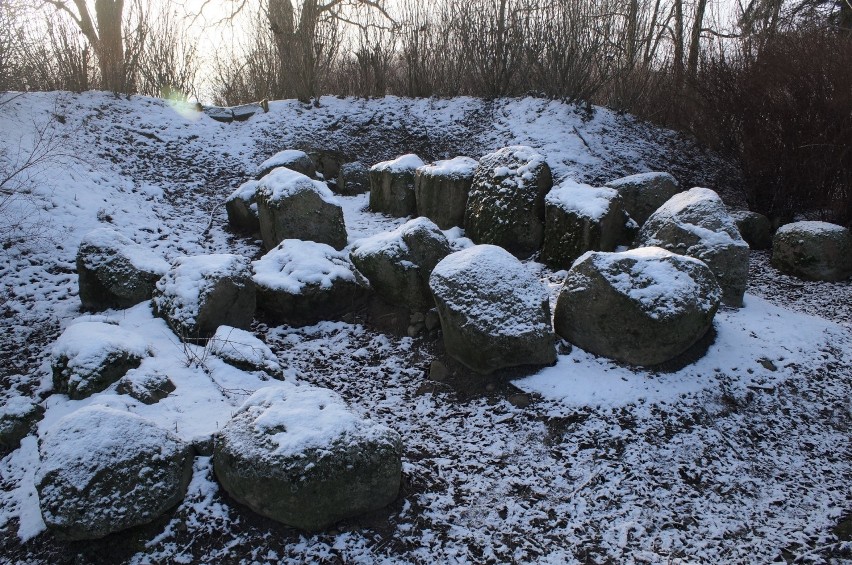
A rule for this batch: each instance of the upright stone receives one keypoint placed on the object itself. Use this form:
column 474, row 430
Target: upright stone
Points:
column 292, row 159
column 354, row 178
column 241, row 207
column 755, row 228
column 580, row 218
column 505, row 205
column 392, row 186
column 816, row 251
column 441, row 190
column 642, row 194
column 696, row 223
column 292, row 206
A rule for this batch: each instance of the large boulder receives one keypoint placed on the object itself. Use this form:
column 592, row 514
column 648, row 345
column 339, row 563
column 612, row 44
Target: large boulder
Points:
column 392, row 186
column 642, row 194
column 241, row 207
column 494, row 313
column 104, row 470
column 505, row 205
column 441, row 190
column 292, row 206
column 243, row 350
column 353, row 178
column 816, row 251
column 398, row 263
column 580, row 218
column 18, row 415
column 204, row 292
column 292, row 159
column 696, row 223
column 298, row 455
column 643, row 307
column 115, row 272
column 755, row 228
column 90, row 356
column 304, row 282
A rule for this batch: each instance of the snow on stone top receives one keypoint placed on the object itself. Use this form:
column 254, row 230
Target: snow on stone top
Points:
column 406, row 163
column 94, row 439
column 700, row 203
column 813, row 227
column 282, row 183
column 112, row 243
column 392, row 242
column 653, row 279
column 191, row 277
column 639, row 178
column 16, row 406
column 294, row 264
column 485, row 280
column 87, row 345
column 299, row 418
column 245, row 191
column 582, row 199
column 234, row 344
column 282, row 159
column 522, row 161
column 457, row 167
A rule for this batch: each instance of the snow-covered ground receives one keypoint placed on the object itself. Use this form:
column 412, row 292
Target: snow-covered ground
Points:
column 742, row 456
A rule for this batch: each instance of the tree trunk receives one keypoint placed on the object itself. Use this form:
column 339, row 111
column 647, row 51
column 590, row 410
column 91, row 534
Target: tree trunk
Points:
column 695, row 38
column 678, row 46
column 110, row 44
column 282, row 23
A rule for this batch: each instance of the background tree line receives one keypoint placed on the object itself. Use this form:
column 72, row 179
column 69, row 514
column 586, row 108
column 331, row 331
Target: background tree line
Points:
column 767, row 81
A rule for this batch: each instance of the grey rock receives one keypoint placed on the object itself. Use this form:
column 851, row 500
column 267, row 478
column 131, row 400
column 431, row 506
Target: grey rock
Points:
column 328, row 162
column 494, row 313
column 292, row 159
column 755, row 228
column 816, row 251
column 642, row 194
column 642, row 307
column 91, row 485
column 147, row 388
column 696, row 223
column 353, row 178
column 392, row 186
column 18, row 415
column 243, row 350
column 115, row 272
column 441, row 190
column 298, row 455
column 241, row 207
column 505, row 205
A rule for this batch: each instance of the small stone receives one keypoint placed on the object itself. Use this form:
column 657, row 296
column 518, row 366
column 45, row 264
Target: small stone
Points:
column 414, row 330
column 146, row 388
column 519, row 400
column 433, row 320
column 438, row 371
column 767, row 364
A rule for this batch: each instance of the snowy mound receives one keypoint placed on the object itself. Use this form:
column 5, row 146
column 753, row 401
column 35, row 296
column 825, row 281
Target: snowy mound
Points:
column 294, row 264
column 243, row 350
column 110, row 243
column 581, row 199
column 405, row 164
column 284, row 183
column 458, row 167
column 88, row 345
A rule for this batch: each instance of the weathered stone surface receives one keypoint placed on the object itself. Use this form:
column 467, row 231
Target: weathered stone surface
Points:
column 354, row 178
column 241, row 207
column 103, row 470
column 696, row 223
column 298, row 455
column 441, row 189
column 505, row 205
column 494, row 313
column 90, row 356
column 392, row 186
column 244, row 351
column 204, row 292
column 644, row 307
column 292, row 206
column 115, row 272
column 817, row 251
column 327, row 163
column 642, row 194
column 755, row 228
column 292, row 159
column 18, row 415
column 147, row 388
column 303, row 282
column 398, row 263
column 580, row 218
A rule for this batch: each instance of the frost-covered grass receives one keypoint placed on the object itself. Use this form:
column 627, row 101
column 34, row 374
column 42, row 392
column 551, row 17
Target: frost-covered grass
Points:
column 739, row 457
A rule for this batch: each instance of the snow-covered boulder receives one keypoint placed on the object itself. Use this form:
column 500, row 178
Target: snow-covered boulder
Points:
column 304, row 282
column 292, row 159
column 643, row 307
column 505, row 205
column 18, row 414
column 580, row 218
column 441, row 190
column 696, row 223
column 147, row 388
column 103, row 470
column 353, row 178
column 392, row 186
column 494, row 312
column 241, row 207
column 755, row 228
column 90, row 356
column 115, row 272
column 300, row 456
column 292, row 206
column 817, row 251
column 201, row 293
column 642, row 194
column 244, row 351
column 398, row 263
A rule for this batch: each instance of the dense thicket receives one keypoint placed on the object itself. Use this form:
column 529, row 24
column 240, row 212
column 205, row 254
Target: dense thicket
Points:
column 767, row 81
